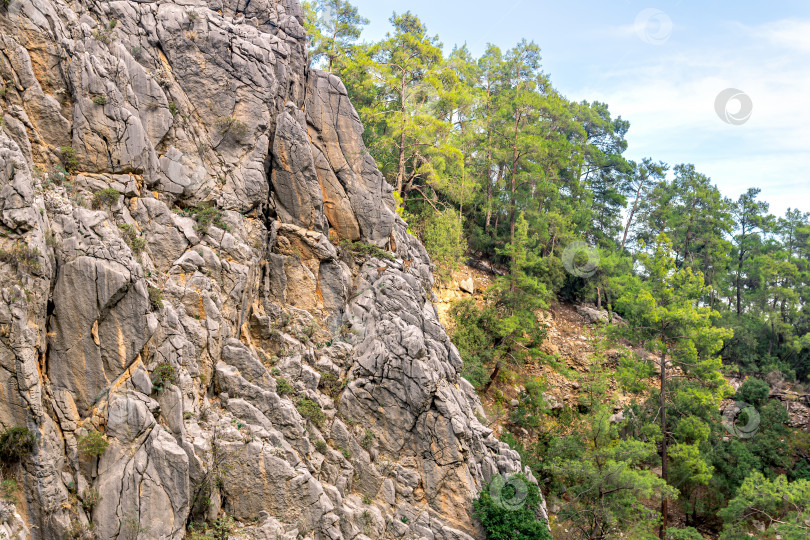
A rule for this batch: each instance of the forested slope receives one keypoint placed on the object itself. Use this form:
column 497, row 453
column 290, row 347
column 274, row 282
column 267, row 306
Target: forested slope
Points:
column 490, row 162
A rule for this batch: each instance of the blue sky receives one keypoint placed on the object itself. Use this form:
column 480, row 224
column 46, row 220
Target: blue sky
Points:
column 661, row 66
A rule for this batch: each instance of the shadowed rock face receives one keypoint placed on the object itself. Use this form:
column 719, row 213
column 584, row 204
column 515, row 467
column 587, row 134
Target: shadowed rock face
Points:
column 181, row 289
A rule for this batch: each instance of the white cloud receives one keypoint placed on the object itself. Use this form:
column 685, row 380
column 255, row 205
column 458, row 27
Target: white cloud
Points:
column 668, row 96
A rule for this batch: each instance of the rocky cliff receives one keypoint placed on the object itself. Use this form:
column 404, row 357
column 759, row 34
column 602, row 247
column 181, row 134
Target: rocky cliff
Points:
column 208, row 304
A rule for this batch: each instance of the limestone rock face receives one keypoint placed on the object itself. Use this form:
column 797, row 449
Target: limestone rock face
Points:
column 175, row 187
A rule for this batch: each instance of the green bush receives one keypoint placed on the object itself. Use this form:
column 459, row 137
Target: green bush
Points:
column 100, row 100
column 9, row 488
column 162, row 375
column 368, row 439
column 22, row 256
column 133, row 239
column 689, row 533
column 531, row 407
column 15, row 444
column 445, row 241
column 69, row 160
column 231, row 126
column 330, row 384
column 506, row 514
column 311, row 411
column 105, row 197
column 754, row 391
column 283, row 387
column 90, row 498
column 93, row 444
column 155, row 298
column 321, row 447
column 206, row 215
column 363, row 250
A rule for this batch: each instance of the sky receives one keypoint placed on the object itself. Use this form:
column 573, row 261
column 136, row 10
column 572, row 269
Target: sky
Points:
column 663, row 67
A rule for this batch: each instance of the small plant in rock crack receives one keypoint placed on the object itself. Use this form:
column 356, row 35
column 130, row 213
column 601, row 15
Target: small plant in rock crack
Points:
column 100, row 100
column 90, row 499
column 15, row 444
column 93, row 444
column 368, row 439
column 131, row 526
column 206, row 215
column 105, row 197
column 155, row 298
column 311, row 411
column 81, row 531
column 22, row 256
column 228, row 125
column 283, row 387
column 163, row 375
column 330, row 384
column 69, row 159
column 364, row 250
column 321, row 446
column 132, row 239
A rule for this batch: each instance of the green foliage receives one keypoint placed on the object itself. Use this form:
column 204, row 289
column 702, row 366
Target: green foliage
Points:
column 206, row 215
column 93, row 444
column 105, row 197
column 8, row 488
column 531, row 407
column 753, row 391
column 15, row 444
column 283, row 387
column 330, row 384
column 321, row 447
column 22, row 256
column 474, row 335
column 100, row 100
column 333, row 26
column 90, row 499
column 69, row 160
column 784, row 507
column 368, row 439
column 134, row 240
column 363, row 250
column 228, row 125
column 311, row 411
column 503, row 521
column 689, row 533
column 155, row 298
column 163, row 374
column 173, row 108
column 444, row 240
column 606, row 477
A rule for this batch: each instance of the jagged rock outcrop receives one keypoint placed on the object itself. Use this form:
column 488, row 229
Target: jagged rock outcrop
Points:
column 179, row 194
